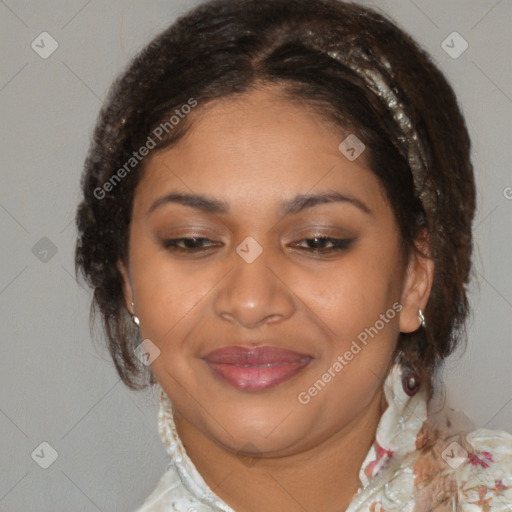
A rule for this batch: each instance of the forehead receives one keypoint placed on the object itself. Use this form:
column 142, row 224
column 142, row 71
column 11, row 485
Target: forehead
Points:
column 258, row 146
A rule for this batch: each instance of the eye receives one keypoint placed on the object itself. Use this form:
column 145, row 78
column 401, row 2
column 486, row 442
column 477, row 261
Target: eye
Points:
column 316, row 245
column 189, row 244
column 319, row 244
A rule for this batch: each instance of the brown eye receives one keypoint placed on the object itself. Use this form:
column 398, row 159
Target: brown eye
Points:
column 188, row 244
column 323, row 244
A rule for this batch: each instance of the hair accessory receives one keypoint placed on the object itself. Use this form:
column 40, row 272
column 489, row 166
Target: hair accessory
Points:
column 414, row 152
column 410, row 144
column 421, row 318
column 410, row 381
column 135, row 318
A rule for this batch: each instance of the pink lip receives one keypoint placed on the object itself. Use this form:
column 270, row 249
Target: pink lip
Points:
column 258, row 368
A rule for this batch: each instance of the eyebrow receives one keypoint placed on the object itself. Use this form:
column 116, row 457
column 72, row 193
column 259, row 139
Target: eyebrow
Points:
column 293, row 206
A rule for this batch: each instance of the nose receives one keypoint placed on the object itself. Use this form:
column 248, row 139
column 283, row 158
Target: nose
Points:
column 254, row 294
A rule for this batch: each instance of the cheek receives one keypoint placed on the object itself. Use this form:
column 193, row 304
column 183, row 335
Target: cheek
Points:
column 165, row 292
column 360, row 303
column 353, row 295
column 169, row 300
column 361, row 309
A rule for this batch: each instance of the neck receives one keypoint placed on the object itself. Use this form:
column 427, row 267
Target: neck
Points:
column 325, row 477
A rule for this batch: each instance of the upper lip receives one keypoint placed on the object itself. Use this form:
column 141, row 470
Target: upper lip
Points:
column 260, row 355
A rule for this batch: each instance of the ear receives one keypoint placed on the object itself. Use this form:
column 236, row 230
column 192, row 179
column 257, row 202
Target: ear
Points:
column 127, row 286
column 417, row 284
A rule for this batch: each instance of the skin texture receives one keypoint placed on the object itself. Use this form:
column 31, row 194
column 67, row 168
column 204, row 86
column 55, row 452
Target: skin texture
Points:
column 254, row 152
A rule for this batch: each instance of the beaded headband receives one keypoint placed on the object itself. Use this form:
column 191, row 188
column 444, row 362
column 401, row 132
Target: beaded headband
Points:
column 411, row 146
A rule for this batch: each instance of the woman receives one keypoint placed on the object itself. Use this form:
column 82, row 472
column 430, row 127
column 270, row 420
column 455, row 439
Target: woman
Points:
column 280, row 196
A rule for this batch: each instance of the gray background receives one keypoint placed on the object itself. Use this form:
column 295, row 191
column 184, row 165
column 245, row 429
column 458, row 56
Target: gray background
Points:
column 60, row 387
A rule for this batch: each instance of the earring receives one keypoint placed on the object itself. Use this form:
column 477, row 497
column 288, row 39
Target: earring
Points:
column 135, row 318
column 421, row 318
column 410, row 381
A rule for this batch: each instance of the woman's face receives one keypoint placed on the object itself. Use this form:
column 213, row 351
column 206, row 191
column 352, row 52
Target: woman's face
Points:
column 267, row 337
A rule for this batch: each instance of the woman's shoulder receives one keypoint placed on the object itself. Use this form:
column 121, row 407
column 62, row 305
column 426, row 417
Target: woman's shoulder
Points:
column 466, row 471
column 482, row 465
column 497, row 441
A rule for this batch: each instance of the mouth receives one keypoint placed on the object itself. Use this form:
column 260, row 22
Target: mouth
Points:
column 255, row 369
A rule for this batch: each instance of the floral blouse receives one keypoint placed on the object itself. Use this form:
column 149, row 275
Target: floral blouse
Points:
column 420, row 461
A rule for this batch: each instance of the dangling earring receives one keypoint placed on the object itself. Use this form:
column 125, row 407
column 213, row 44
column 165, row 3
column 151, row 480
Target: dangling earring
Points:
column 421, row 318
column 410, row 381
column 135, row 318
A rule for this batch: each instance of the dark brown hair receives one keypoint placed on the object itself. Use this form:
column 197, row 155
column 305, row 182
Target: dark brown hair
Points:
column 226, row 47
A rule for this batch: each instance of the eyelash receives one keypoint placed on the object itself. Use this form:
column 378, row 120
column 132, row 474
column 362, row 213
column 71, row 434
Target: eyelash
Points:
column 339, row 244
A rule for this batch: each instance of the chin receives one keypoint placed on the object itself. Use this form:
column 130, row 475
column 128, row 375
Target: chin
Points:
column 270, row 429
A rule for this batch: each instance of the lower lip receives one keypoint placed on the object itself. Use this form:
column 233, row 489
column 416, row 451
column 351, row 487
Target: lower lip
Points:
column 257, row 377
